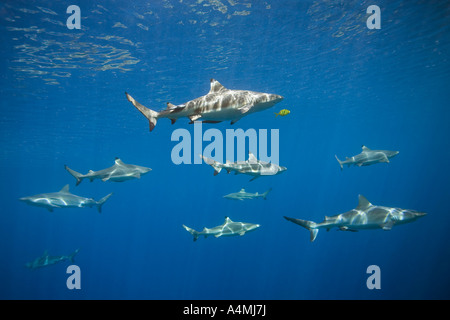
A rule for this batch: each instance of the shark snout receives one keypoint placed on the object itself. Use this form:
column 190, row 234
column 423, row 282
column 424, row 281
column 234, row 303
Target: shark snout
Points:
column 420, row 214
column 276, row 98
column 392, row 154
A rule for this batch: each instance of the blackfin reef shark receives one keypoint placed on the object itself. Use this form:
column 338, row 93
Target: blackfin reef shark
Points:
column 119, row 172
column 252, row 167
column 364, row 216
column 228, row 228
column 368, row 157
column 243, row 195
column 63, row 199
column 47, row 260
column 220, row 104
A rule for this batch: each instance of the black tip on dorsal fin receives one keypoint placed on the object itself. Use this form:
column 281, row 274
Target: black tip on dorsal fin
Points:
column 216, row 86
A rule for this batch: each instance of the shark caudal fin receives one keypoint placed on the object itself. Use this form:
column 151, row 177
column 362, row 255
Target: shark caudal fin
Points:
column 72, row 256
column 192, row 231
column 264, row 195
column 310, row 225
column 75, row 174
column 102, row 201
column 151, row 115
column 216, row 165
column 340, row 162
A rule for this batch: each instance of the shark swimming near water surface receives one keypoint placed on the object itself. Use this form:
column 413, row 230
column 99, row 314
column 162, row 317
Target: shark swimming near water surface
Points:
column 220, row 104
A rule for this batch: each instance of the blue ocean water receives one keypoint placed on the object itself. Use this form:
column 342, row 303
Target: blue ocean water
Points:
column 63, row 103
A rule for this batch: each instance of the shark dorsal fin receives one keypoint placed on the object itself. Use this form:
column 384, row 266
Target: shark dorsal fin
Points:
column 118, row 161
column 65, row 189
column 242, row 190
column 363, row 203
column 227, row 220
column 216, row 86
column 171, row 106
column 364, row 148
column 252, row 158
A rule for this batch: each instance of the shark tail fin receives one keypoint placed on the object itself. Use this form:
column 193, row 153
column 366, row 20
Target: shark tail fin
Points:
column 75, row 174
column 151, row 115
column 340, row 162
column 264, row 195
column 102, row 201
column 72, row 256
column 216, row 165
column 192, row 231
column 310, row 225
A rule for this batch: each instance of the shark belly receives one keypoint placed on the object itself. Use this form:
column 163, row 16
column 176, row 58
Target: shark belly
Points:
column 229, row 113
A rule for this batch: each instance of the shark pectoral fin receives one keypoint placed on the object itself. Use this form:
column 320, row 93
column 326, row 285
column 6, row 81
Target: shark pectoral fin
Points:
column 234, row 121
column 385, row 158
column 171, row 106
column 137, row 175
column 52, row 207
column 173, row 120
column 387, row 226
column 245, row 108
column 105, row 179
column 194, row 117
column 216, row 235
column 242, row 233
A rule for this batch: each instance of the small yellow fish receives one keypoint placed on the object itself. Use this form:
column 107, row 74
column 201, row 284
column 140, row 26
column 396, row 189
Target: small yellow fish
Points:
column 283, row 113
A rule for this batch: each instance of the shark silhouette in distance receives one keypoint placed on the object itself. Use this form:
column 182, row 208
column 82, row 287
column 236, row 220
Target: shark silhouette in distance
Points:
column 368, row 157
column 220, row 104
column 252, row 167
column 228, row 228
column 119, row 172
column 63, row 199
column 47, row 260
column 364, row 216
column 243, row 195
